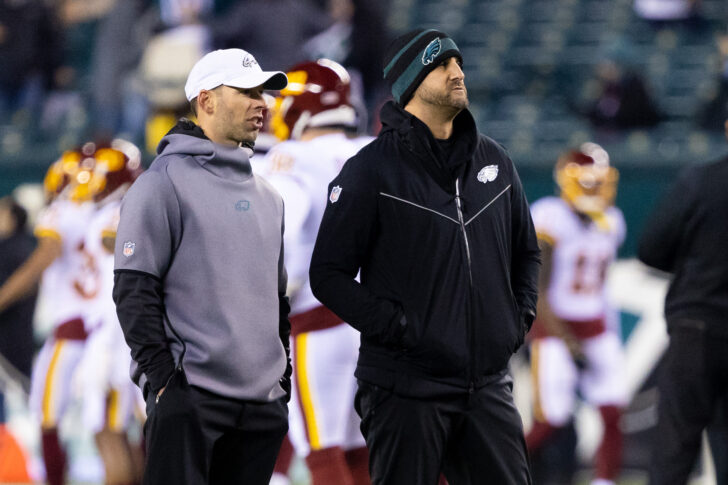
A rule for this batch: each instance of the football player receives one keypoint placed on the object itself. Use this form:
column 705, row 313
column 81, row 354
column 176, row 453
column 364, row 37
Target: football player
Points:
column 65, row 286
column 108, row 395
column 316, row 117
column 573, row 349
column 70, row 281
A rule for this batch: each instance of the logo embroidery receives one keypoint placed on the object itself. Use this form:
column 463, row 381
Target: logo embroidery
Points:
column 242, row 205
column 335, row 193
column 248, row 61
column 431, row 51
column 129, row 248
column 488, row 174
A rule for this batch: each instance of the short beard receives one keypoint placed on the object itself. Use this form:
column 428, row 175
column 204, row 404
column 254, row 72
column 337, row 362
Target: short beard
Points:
column 236, row 133
column 248, row 137
column 441, row 99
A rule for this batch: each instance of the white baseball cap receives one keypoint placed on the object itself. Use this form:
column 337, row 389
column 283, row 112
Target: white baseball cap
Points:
column 230, row 67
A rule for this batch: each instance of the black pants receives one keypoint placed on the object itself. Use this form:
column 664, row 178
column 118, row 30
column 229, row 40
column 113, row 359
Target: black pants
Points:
column 692, row 381
column 195, row 437
column 718, row 439
column 472, row 440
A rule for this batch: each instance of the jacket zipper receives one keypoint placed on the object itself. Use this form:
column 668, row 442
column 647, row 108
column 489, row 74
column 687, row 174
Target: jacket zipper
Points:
column 458, row 204
column 462, row 228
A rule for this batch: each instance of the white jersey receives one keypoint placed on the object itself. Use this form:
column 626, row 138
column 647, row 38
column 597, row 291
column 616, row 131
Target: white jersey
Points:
column 101, row 310
column 582, row 253
column 103, row 371
column 301, row 172
column 70, row 283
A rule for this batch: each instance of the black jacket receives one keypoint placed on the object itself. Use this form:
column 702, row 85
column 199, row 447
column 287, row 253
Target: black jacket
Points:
column 687, row 235
column 446, row 295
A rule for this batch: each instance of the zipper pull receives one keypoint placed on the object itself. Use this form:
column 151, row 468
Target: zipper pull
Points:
column 458, row 197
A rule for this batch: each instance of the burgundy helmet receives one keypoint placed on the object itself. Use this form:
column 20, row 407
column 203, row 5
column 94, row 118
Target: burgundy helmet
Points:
column 317, row 95
column 119, row 163
column 586, row 179
column 102, row 169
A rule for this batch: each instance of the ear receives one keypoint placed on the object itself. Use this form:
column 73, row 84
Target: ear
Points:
column 207, row 101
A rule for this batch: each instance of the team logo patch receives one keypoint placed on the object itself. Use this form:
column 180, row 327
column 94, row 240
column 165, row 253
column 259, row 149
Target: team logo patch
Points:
column 335, row 193
column 488, row 174
column 128, row 249
column 242, row 205
column 431, row 51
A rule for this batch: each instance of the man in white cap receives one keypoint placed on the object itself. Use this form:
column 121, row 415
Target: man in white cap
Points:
column 200, row 287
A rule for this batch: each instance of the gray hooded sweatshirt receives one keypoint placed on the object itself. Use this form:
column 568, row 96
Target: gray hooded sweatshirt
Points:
column 203, row 224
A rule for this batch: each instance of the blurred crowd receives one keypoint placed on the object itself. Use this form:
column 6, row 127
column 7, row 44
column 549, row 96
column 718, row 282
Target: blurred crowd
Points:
column 76, row 69
column 71, row 69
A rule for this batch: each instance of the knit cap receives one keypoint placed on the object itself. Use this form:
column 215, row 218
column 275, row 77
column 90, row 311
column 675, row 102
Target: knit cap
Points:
column 412, row 56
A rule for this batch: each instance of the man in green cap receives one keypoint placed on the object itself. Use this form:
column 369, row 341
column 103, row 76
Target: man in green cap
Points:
column 433, row 215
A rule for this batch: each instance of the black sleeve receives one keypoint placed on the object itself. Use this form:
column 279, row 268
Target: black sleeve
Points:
column 665, row 228
column 140, row 308
column 284, row 330
column 526, row 258
column 347, row 232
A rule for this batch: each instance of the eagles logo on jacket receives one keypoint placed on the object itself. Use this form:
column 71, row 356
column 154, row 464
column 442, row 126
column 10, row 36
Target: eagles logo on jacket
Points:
column 447, row 252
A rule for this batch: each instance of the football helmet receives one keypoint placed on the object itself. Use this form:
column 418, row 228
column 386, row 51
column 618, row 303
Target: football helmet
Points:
column 60, row 174
column 586, row 179
column 317, row 95
column 117, row 167
column 104, row 170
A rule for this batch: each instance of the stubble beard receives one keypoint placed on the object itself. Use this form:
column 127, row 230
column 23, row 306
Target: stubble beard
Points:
column 240, row 133
column 237, row 130
column 247, row 136
column 446, row 98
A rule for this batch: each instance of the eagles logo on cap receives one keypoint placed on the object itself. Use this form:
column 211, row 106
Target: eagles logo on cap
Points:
column 412, row 56
column 431, row 51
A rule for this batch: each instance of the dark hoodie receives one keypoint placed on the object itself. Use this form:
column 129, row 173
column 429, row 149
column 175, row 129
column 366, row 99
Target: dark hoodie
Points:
column 687, row 235
column 447, row 252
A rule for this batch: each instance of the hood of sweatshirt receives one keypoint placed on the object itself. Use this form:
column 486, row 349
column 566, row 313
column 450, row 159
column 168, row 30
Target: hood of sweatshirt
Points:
column 188, row 139
column 418, row 139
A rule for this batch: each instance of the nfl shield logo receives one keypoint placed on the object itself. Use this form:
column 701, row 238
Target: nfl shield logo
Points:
column 488, row 174
column 128, row 248
column 335, row 193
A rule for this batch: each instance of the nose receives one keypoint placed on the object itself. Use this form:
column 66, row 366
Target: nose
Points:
column 258, row 102
column 455, row 70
